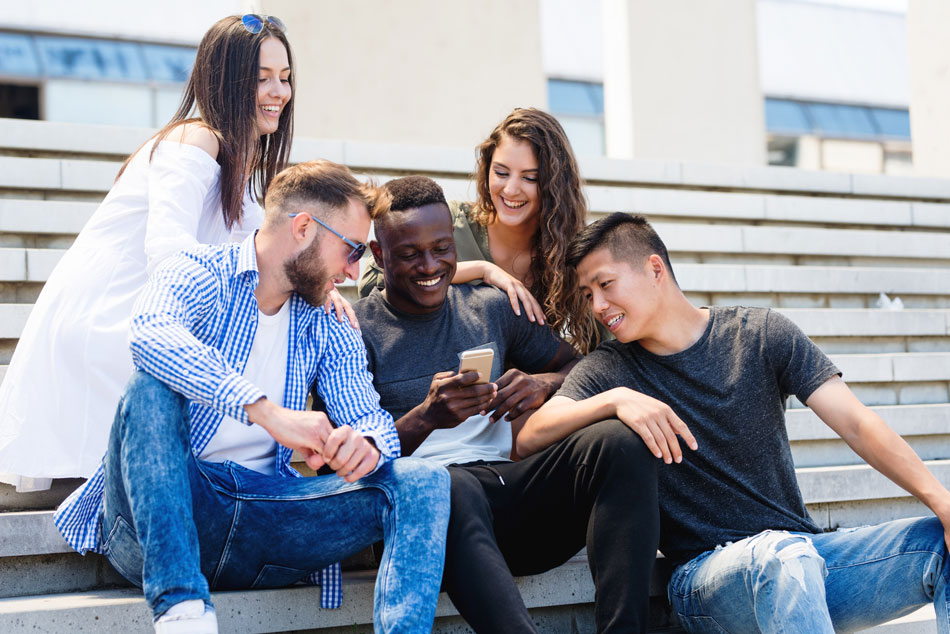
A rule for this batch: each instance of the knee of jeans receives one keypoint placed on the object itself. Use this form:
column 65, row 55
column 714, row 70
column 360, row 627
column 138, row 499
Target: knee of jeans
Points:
column 422, row 480
column 145, row 391
column 786, row 559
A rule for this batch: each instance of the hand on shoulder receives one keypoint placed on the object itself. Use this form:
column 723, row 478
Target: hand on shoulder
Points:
column 196, row 134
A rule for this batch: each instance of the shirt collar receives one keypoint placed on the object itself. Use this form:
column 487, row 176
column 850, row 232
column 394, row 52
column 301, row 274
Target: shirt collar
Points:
column 247, row 262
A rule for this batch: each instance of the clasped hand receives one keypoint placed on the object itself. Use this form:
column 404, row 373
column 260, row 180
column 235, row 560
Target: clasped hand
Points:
column 345, row 450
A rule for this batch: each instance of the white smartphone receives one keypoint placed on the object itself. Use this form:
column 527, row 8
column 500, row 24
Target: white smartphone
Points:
column 478, row 361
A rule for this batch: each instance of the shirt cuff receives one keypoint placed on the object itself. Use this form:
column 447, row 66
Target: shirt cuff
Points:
column 233, row 394
column 377, row 438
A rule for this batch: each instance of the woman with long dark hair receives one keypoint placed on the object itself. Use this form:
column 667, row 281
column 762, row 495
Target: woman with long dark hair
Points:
column 515, row 234
column 196, row 181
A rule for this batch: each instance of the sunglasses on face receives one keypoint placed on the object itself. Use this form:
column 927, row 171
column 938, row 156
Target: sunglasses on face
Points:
column 254, row 23
column 358, row 247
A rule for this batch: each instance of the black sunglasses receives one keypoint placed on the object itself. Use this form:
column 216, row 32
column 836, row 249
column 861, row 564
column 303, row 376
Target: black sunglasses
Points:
column 254, row 23
column 358, row 247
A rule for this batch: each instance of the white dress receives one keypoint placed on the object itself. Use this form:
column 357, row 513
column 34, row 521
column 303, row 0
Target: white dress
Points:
column 60, row 393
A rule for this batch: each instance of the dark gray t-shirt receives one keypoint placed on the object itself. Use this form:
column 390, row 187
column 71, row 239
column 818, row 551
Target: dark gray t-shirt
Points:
column 730, row 388
column 404, row 351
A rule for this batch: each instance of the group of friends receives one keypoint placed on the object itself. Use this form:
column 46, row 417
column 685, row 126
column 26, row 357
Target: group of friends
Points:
column 184, row 333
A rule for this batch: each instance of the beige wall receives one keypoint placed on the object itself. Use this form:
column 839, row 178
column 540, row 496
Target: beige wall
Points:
column 681, row 81
column 928, row 22
column 426, row 71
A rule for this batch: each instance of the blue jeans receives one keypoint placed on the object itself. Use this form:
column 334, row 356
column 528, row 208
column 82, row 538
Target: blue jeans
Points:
column 848, row 580
column 178, row 527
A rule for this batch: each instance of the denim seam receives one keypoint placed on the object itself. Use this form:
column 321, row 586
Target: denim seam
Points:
column 108, row 542
column 226, row 551
column 348, row 487
column 879, row 559
column 382, row 576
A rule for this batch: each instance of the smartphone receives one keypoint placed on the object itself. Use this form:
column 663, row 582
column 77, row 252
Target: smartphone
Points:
column 479, row 361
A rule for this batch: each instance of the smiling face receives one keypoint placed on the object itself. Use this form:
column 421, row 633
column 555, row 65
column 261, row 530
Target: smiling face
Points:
column 417, row 254
column 273, row 85
column 622, row 297
column 513, row 182
column 324, row 263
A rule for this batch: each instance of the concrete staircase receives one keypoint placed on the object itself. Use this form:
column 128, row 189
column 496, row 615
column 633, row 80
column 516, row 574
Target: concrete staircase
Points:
column 818, row 246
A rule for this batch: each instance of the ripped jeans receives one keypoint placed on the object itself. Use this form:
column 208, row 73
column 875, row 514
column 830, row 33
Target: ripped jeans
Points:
column 843, row 581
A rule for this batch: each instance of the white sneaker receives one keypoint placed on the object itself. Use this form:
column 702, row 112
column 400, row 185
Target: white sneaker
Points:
column 188, row 617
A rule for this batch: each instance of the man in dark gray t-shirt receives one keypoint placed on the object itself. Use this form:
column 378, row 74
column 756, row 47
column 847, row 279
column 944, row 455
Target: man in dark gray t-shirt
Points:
column 748, row 557
column 595, row 488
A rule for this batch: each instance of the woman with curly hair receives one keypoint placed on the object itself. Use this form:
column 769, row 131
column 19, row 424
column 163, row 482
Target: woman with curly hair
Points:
column 515, row 235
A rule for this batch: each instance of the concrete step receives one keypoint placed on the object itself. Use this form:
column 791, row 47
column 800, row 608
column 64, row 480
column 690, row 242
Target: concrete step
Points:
column 847, row 483
column 925, row 427
column 250, row 612
column 906, row 420
column 900, row 367
column 656, row 202
column 295, row 609
column 861, row 322
column 25, row 137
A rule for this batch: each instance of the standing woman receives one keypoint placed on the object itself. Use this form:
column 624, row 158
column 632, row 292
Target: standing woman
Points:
column 516, row 233
column 196, row 181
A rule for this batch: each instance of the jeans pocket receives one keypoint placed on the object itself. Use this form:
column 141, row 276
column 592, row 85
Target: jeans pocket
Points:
column 122, row 549
column 701, row 625
column 273, row 576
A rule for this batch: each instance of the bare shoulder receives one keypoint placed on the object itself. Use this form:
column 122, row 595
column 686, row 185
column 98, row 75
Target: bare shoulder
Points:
column 196, row 134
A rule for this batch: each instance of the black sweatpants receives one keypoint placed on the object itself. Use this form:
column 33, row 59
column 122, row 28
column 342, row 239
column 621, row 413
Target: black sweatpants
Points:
column 595, row 487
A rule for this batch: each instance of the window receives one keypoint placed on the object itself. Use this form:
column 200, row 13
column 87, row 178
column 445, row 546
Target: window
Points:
column 579, row 106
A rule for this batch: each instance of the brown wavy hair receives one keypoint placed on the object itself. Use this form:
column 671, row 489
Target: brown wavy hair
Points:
column 563, row 210
column 221, row 94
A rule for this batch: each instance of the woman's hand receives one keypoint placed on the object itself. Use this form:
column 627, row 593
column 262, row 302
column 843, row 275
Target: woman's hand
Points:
column 516, row 290
column 337, row 302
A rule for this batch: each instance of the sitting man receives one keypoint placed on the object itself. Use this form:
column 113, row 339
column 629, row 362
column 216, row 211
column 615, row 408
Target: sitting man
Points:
column 749, row 557
column 597, row 487
column 196, row 488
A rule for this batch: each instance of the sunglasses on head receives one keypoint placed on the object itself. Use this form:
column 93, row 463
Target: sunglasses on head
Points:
column 358, row 247
column 254, row 22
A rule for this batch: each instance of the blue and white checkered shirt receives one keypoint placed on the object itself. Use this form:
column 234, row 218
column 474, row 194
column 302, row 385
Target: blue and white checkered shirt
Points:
column 192, row 328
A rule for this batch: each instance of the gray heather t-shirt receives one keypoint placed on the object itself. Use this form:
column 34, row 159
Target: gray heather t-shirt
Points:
column 730, row 389
column 404, row 351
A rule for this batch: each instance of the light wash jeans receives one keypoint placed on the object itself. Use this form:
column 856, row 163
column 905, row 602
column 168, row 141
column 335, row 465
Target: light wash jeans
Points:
column 174, row 525
column 844, row 581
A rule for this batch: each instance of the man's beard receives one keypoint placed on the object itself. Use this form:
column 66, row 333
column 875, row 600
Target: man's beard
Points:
column 308, row 276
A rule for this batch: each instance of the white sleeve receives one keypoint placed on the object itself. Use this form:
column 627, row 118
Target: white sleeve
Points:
column 180, row 177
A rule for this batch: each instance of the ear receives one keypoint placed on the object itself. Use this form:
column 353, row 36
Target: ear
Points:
column 656, row 267
column 377, row 250
column 299, row 226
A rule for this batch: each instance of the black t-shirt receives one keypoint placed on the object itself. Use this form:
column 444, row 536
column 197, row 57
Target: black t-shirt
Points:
column 730, row 389
column 404, row 351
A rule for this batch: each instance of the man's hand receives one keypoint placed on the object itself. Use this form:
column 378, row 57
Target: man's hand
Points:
column 301, row 431
column 519, row 392
column 452, row 398
column 654, row 421
column 312, row 434
column 348, row 453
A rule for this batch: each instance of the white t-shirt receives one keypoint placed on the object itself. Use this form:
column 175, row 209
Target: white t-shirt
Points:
column 475, row 438
column 250, row 445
